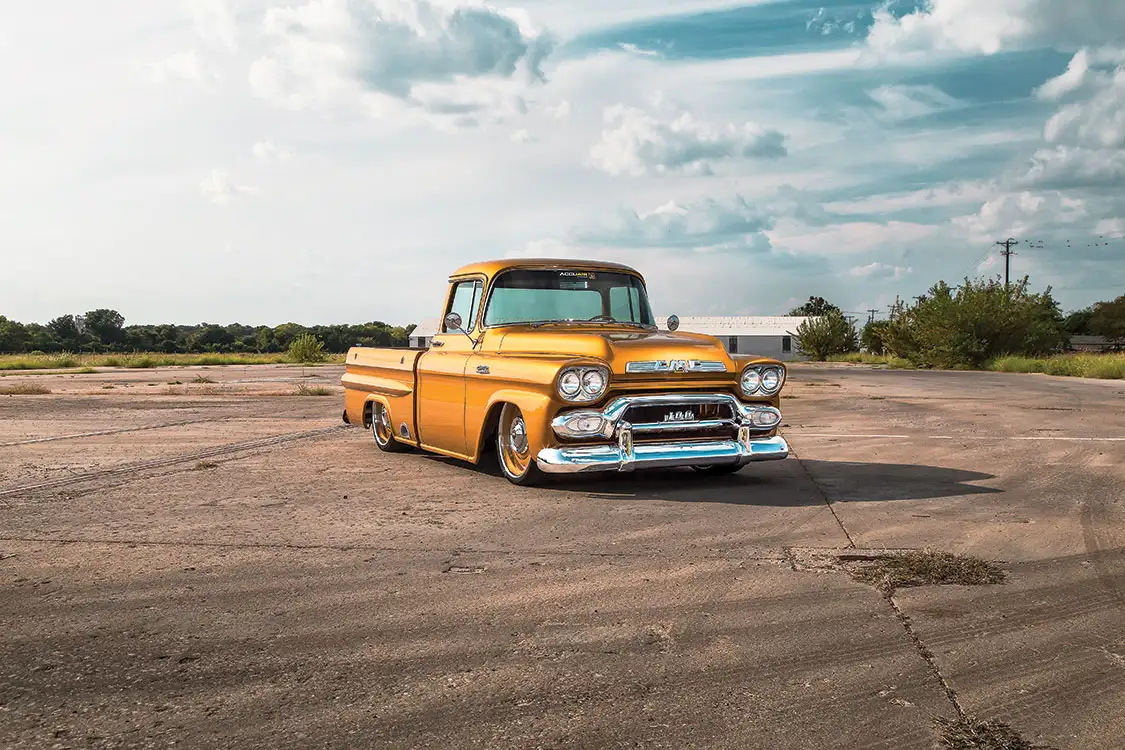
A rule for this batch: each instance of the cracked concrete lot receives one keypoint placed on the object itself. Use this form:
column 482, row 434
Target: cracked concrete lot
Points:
column 226, row 565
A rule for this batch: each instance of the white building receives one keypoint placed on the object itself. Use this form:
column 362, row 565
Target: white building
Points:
column 421, row 336
column 768, row 336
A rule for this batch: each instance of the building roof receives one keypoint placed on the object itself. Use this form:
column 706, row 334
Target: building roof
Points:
column 492, row 267
column 739, row 325
column 425, row 328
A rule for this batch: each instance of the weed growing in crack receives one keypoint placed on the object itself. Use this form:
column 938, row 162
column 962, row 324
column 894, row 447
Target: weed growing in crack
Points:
column 972, row 734
column 922, row 568
column 24, row 389
column 205, row 465
column 312, row 390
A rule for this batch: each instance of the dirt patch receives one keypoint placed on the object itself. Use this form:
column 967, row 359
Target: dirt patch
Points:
column 920, row 568
column 972, row 734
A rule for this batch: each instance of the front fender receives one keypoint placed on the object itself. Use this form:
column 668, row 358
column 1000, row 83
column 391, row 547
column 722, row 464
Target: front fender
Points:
column 536, row 409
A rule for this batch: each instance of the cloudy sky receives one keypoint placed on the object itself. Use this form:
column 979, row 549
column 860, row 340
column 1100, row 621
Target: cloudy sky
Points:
column 322, row 161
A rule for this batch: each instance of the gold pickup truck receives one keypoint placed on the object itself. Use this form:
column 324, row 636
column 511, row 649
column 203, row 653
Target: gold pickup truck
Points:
column 559, row 367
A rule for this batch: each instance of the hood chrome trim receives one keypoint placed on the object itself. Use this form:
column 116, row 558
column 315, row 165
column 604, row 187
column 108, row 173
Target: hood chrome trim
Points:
column 675, row 365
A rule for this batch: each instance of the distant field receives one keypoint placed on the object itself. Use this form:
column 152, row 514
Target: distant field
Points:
column 1102, row 366
column 139, row 360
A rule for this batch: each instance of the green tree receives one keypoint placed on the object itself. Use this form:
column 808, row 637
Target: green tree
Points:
column 306, row 348
column 824, row 335
column 814, row 307
column 976, row 322
column 1108, row 319
column 1078, row 322
column 14, row 337
column 107, row 326
column 64, row 330
column 872, row 336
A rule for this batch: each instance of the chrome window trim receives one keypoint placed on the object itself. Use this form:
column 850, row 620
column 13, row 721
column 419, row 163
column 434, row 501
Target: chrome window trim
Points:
column 559, row 267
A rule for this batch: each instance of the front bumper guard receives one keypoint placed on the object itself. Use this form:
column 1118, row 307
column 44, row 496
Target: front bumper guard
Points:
column 626, row 455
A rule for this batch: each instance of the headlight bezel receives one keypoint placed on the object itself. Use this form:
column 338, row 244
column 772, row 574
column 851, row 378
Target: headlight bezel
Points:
column 760, row 389
column 582, row 396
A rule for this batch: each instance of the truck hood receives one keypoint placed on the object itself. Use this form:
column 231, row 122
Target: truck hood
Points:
column 615, row 346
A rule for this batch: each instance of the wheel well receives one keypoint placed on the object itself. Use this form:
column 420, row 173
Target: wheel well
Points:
column 488, row 430
column 367, row 409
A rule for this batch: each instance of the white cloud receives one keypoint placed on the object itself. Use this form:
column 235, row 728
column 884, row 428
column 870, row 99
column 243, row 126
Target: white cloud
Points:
column 522, row 135
column 702, row 225
column 638, row 143
column 904, row 102
column 1112, row 228
column 1069, row 167
column 1070, row 80
column 220, row 189
column 268, row 151
column 975, row 27
column 1021, row 214
column 183, row 66
column 215, row 22
column 1097, row 122
column 443, row 58
column 877, row 270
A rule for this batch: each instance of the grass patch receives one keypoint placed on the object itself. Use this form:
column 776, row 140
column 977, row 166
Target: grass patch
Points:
column 921, row 568
column 313, row 390
column 864, row 358
column 24, row 389
column 205, row 465
column 973, row 734
column 140, row 360
column 86, row 371
column 1101, row 366
column 202, row 379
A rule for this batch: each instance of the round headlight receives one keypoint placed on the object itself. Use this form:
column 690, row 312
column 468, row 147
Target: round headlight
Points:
column 771, row 380
column 751, row 381
column 570, row 384
column 593, row 383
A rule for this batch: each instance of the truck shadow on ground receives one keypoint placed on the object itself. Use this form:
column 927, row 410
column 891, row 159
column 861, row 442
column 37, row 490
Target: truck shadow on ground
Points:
column 792, row 482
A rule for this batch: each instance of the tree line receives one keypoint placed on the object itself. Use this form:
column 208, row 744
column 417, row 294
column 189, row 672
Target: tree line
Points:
column 963, row 326
column 104, row 330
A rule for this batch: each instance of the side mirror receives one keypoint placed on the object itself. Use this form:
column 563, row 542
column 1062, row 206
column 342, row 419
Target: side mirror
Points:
column 673, row 322
column 453, row 322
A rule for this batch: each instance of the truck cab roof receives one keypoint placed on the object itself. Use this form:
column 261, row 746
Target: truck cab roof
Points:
column 492, row 267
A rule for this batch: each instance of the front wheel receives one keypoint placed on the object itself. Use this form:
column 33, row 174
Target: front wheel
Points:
column 382, row 431
column 513, row 449
column 718, row 470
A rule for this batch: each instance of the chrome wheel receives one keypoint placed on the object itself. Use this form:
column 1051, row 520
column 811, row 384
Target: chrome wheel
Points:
column 514, row 447
column 383, row 432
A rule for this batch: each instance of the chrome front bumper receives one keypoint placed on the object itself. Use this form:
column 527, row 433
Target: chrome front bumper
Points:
column 624, row 454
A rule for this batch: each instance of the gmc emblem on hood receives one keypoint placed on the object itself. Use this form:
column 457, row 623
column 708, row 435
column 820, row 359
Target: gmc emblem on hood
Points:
column 675, row 365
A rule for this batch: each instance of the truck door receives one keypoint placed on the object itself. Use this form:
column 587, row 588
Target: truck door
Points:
column 441, row 373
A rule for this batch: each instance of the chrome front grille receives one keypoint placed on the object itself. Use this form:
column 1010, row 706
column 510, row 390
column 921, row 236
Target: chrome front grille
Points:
column 675, row 365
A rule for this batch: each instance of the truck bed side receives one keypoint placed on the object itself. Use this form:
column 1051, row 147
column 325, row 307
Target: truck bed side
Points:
column 386, row 375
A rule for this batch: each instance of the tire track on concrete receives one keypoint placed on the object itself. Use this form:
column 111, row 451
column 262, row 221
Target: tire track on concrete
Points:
column 117, row 431
column 124, row 470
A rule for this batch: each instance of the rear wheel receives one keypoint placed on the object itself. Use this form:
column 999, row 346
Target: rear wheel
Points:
column 513, row 449
column 719, row 470
column 382, row 431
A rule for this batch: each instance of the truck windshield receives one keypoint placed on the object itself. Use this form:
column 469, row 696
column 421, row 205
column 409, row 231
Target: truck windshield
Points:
column 561, row 295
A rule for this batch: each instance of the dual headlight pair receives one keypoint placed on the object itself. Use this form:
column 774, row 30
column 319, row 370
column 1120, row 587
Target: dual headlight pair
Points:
column 588, row 383
column 761, row 380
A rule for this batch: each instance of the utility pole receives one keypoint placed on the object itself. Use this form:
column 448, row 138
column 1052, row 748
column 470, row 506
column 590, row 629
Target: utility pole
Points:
column 1007, row 252
column 871, row 314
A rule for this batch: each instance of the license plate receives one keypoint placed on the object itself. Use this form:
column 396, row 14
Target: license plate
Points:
column 679, row 416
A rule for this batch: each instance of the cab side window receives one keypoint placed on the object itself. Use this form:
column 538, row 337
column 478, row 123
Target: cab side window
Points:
column 466, row 300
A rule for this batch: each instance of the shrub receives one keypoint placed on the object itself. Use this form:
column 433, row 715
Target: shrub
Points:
column 306, row 348
column 872, row 336
column 825, row 335
column 975, row 323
